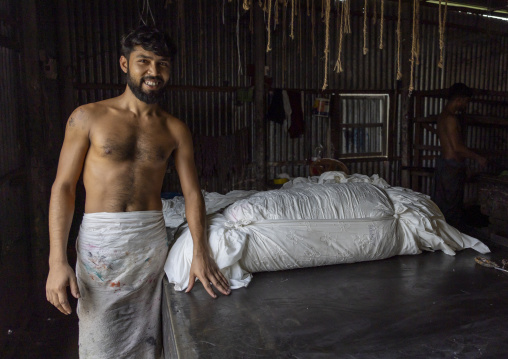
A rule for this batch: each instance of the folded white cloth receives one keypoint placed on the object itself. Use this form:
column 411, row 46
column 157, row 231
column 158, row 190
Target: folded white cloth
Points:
column 319, row 222
column 119, row 269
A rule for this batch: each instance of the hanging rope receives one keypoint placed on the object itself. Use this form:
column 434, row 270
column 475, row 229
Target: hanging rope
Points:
column 181, row 20
column 442, row 23
column 417, row 55
column 276, row 15
column 145, row 12
column 338, row 65
column 414, row 44
column 268, row 43
column 300, row 34
column 337, row 23
column 217, row 27
column 251, row 21
column 292, row 34
column 381, row 24
column 284, row 43
column 240, row 71
column 399, row 73
column 327, row 41
column 223, row 5
column 365, row 50
column 374, row 13
column 308, row 8
column 313, row 21
column 200, row 20
column 322, row 10
column 347, row 22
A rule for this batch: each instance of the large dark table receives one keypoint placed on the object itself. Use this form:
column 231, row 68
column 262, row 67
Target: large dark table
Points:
column 425, row 306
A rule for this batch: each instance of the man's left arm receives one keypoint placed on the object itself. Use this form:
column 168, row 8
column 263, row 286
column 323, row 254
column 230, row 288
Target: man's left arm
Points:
column 203, row 266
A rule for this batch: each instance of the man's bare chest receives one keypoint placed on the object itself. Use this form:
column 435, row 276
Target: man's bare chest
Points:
column 132, row 143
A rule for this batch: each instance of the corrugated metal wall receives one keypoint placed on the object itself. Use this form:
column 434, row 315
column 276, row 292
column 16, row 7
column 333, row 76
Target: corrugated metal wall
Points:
column 13, row 196
column 215, row 42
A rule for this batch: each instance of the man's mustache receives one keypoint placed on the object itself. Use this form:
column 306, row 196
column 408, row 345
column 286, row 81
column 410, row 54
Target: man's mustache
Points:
column 153, row 78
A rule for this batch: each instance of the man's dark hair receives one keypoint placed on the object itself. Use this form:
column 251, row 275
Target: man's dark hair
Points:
column 458, row 90
column 150, row 39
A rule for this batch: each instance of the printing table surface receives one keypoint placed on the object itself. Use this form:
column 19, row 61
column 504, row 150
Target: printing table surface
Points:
column 425, row 306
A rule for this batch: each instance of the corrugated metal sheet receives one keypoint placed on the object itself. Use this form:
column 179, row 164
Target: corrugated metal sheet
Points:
column 210, row 56
column 13, row 195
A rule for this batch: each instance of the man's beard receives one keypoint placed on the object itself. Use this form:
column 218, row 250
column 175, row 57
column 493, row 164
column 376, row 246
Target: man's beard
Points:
column 150, row 98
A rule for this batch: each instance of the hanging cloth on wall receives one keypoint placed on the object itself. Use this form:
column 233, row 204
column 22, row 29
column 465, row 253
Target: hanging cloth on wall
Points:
column 287, row 109
column 276, row 111
column 297, row 127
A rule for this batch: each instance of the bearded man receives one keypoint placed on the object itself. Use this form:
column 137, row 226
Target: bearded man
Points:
column 122, row 146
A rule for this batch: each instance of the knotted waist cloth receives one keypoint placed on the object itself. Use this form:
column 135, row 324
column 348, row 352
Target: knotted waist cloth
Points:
column 120, row 261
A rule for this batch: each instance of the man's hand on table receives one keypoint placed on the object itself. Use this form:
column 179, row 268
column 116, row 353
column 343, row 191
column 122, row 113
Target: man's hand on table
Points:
column 206, row 270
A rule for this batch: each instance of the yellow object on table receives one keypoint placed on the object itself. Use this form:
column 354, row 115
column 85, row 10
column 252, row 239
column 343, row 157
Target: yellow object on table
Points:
column 280, row 180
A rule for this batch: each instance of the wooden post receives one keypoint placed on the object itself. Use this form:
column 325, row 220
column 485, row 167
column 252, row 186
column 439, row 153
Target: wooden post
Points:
column 335, row 129
column 259, row 97
column 42, row 114
column 406, row 103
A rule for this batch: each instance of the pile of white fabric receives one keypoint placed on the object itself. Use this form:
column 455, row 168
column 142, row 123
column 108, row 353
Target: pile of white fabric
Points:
column 331, row 219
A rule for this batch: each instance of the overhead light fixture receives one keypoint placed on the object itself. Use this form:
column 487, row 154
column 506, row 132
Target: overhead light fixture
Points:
column 474, row 7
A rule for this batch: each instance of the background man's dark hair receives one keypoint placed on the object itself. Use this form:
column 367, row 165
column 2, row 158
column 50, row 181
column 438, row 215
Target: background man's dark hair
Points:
column 150, row 39
column 458, row 90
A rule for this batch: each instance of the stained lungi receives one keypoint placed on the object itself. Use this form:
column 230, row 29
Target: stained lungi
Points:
column 449, row 182
column 119, row 268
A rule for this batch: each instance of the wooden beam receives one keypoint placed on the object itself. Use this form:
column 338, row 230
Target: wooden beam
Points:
column 259, row 97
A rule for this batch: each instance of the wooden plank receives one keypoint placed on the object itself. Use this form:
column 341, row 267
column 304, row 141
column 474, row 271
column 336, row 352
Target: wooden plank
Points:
column 470, row 120
column 360, row 125
column 486, row 121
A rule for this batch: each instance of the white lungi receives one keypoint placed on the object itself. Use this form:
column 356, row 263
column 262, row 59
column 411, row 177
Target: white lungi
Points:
column 119, row 268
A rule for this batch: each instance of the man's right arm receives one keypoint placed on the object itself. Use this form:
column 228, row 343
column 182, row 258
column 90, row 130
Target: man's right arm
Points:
column 61, row 209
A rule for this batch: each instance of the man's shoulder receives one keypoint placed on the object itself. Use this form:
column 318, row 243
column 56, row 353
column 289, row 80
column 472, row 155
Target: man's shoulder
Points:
column 90, row 108
column 174, row 123
column 94, row 110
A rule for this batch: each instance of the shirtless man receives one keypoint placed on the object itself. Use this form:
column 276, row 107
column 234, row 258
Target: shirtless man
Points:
column 122, row 145
column 450, row 174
